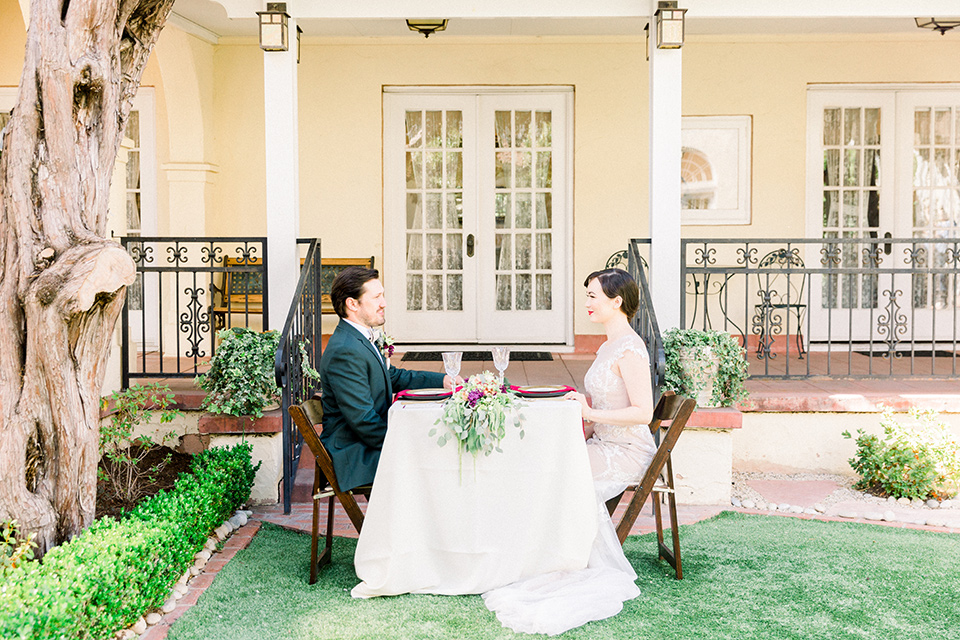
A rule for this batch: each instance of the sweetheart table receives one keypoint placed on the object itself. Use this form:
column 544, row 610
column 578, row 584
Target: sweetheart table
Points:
column 440, row 524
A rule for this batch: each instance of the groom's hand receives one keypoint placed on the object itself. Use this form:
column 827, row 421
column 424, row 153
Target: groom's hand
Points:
column 452, row 383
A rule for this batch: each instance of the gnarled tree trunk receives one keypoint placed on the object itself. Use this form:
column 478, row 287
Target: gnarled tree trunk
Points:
column 63, row 283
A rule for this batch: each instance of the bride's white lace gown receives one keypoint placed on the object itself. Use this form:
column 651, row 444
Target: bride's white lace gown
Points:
column 559, row 601
column 619, row 455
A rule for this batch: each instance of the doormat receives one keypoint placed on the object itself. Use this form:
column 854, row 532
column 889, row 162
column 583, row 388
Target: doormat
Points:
column 473, row 356
column 940, row 353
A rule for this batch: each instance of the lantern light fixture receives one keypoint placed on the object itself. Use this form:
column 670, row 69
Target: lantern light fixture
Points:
column 274, row 34
column 427, row 26
column 938, row 24
column 670, row 27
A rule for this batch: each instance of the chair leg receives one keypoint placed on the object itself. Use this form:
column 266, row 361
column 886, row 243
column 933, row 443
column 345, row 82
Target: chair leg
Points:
column 613, row 502
column 327, row 556
column 314, row 541
column 672, row 556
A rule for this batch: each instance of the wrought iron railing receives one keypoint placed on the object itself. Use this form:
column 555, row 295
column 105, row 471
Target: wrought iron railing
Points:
column 186, row 289
column 300, row 348
column 835, row 307
column 645, row 321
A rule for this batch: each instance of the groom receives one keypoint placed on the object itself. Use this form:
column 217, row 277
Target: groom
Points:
column 357, row 384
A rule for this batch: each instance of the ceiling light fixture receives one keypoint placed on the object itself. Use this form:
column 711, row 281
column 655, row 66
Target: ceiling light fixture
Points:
column 938, row 24
column 427, row 26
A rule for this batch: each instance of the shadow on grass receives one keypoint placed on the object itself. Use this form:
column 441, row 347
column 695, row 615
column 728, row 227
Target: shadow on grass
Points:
column 746, row 576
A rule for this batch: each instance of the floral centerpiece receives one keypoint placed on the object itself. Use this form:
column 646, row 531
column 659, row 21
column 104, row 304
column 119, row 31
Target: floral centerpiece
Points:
column 476, row 415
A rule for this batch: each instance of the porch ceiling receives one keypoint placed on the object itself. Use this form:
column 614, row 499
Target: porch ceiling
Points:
column 385, row 18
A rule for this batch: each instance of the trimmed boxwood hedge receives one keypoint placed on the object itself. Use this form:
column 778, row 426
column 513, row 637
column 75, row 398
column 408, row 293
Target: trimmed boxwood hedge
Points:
column 115, row 571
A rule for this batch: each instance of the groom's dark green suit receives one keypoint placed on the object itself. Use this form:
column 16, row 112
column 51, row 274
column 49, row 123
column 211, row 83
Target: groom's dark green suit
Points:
column 357, row 391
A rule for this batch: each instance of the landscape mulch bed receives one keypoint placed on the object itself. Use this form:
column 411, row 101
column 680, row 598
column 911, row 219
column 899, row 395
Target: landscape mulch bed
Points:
column 108, row 505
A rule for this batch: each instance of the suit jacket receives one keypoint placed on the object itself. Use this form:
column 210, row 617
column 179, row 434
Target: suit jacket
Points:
column 357, row 391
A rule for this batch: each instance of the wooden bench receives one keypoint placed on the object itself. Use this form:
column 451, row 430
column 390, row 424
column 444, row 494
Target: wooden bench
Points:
column 329, row 269
column 242, row 292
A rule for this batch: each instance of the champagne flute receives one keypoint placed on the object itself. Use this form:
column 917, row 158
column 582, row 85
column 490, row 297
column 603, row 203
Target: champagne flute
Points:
column 451, row 362
column 501, row 359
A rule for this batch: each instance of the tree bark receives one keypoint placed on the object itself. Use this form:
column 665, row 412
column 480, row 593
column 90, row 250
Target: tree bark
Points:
column 63, row 283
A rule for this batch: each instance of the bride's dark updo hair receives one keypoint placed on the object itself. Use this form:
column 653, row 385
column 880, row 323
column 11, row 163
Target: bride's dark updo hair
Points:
column 617, row 282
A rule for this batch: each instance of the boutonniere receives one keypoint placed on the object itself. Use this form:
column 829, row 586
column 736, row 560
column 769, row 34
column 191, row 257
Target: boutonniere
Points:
column 384, row 343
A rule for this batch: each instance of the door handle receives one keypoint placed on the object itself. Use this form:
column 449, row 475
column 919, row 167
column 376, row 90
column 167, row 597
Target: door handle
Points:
column 470, row 245
column 887, row 247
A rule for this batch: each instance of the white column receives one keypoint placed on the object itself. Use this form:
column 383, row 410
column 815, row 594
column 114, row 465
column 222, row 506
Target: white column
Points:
column 283, row 177
column 665, row 109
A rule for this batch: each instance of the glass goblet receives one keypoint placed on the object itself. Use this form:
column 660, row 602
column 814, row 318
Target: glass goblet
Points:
column 501, row 359
column 451, row 362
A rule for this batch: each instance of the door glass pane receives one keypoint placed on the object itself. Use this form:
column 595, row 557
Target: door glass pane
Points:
column 544, row 251
column 851, row 126
column 433, row 129
column 871, row 126
column 504, row 293
column 414, row 170
column 523, row 252
column 414, row 292
column 455, row 210
column 831, row 168
column 544, row 211
column 524, row 291
column 544, row 129
column 455, row 292
column 454, row 130
column 502, row 253
column 503, row 217
column 502, row 135
column 504, row 167
column 434, row 214
column 524, row 162
column 831, row 126
column 414, row 251
column 414, row 128
column 523, row 128
column 524, row 213
column 434, row 251
column 454, row 179
column 434, row 292
column 544, row 291
column 434, row 169
column 544, row 170
column 454, row 251
column 414, row 211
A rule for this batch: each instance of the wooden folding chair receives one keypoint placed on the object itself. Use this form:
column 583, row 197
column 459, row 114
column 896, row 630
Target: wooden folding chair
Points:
column 308, row 417
column 676, row 410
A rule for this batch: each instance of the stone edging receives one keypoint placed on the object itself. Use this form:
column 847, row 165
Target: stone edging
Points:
column 236, row 534
column 916, row 519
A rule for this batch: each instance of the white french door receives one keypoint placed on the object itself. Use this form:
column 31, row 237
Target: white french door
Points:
column 928, row 194
column 476, row 222
column 883, row 164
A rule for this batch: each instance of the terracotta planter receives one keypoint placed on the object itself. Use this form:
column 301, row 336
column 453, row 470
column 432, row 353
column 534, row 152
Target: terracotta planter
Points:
column 700, row 367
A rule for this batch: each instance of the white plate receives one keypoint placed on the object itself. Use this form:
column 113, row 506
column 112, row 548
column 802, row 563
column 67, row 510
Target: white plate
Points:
column 427, row 392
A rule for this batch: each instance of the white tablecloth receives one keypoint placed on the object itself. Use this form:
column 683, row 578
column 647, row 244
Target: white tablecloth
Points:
column 432, row 527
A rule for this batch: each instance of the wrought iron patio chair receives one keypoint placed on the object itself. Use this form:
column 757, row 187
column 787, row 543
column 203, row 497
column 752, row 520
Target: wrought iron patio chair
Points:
column 308, row 418
column 779, row 290
column 658, row 479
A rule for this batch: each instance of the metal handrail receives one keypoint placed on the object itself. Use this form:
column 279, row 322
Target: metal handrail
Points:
column 645, row 321
column 302, row 328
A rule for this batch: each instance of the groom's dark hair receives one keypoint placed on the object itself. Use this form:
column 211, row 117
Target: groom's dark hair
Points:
column 617, row 282
column 349, row 284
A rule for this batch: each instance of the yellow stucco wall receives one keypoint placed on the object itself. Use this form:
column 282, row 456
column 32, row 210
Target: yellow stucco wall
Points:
column 210, row 113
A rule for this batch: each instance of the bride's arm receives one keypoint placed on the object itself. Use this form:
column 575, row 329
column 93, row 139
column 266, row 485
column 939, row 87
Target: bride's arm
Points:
column 635, row 371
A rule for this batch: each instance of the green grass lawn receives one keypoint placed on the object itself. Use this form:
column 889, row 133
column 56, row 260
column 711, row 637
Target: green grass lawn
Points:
column 745, row 577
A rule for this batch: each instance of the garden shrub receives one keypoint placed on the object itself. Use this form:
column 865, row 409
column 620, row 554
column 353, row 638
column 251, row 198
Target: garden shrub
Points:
column 917, row 459
column 241, row 379
column 112, row 573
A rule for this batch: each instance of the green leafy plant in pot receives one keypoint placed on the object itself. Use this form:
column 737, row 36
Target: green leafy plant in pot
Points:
column 709, row 366
column 241, row 380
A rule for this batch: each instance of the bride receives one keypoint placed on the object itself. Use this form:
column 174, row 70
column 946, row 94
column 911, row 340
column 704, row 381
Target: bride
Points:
column 620, row 448
column 619, row 441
